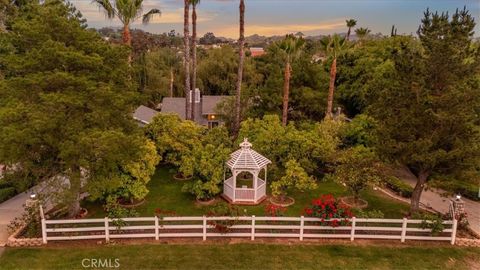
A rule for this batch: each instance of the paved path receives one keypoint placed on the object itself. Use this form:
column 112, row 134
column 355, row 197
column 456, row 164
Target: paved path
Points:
column 8, row 211
column 433, row 198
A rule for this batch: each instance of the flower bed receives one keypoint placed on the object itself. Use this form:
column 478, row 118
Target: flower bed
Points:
column 15, row 239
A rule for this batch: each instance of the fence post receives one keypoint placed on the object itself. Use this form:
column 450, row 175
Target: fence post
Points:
column 302, row 223
column 454, row 230
column 204, row 228
column 352, row 233
column 404, row 230
column 107, row 230
column 253, row 228
column 156, row 228
column 44, row 230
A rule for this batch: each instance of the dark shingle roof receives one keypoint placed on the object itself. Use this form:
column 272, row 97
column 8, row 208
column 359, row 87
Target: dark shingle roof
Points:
column 209, row 103
column 144, row 114
column 206, row 106
column 174, row 105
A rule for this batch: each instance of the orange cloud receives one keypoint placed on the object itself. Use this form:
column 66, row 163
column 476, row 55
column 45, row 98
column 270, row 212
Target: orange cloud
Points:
column 278, row 29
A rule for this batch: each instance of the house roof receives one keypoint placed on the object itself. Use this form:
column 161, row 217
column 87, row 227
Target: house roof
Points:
column 247, row 158
column 144, row 114
column 209, row 103
column 174, row 105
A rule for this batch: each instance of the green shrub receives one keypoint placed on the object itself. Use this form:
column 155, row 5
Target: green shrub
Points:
column 467, row 189
column 4, row 184
column 6, row 193
column 398, row 186
column 359, row 213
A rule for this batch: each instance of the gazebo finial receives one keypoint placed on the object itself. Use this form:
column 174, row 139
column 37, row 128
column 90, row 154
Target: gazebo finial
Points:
column 245, row 144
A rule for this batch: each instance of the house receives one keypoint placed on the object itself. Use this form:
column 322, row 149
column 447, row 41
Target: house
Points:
column 205, row 113
column 144, row 115
column 257, row 52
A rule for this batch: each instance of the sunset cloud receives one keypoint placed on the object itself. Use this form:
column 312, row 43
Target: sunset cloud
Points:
column 280, row 29
column 278, row 17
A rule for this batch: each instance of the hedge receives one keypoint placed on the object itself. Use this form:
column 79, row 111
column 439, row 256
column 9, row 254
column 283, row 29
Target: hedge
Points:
column 399, row 187
column 466, row 189
column 6, row 193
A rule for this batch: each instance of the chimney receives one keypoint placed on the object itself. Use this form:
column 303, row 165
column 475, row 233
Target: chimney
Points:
column 197, row 96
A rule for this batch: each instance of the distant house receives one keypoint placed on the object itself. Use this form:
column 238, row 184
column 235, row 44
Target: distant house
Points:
column 257, row 52
column 144, row 115
column 205, row 113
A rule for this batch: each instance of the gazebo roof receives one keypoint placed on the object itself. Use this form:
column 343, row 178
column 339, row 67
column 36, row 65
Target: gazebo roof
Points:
column 247, row 158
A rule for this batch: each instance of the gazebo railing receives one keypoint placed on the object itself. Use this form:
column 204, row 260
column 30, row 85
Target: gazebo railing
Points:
column 228, row 189
column 244, row 194
column 261, row 190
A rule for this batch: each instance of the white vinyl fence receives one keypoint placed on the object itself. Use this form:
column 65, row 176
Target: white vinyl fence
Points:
column 245, row 226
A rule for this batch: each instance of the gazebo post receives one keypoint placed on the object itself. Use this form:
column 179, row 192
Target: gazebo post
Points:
column 265, row 174
column 255, row 179
column 234, row 184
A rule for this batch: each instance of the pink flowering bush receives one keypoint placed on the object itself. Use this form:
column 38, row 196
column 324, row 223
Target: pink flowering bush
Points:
column 329, row 210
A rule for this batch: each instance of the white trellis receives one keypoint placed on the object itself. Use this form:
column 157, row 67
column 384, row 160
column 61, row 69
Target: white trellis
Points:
column 246, row 160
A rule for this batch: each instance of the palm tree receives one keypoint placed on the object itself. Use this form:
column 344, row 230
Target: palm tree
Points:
column 350, row 24
column 241, row 44
column 194, row 4
column 291, row 46
column 186, row 56
column 362, row 33
column 333, row 46
column 127, row 11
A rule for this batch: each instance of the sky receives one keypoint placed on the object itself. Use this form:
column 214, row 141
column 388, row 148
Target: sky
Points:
column 279, row 17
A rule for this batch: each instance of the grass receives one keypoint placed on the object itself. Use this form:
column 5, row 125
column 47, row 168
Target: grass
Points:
column 246, row 256
column 166, row 194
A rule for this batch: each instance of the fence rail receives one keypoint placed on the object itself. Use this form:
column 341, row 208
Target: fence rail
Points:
column 244, row 226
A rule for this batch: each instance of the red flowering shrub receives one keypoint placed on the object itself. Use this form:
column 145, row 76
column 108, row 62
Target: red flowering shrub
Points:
column 274, row 210
column 223, row 210
column 329, row 210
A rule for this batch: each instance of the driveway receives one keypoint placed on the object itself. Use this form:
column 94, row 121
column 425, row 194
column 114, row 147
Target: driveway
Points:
column 9, row 210
column 433, row 198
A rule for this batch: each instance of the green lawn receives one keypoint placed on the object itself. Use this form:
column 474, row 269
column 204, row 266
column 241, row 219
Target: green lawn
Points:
column 166, row 194
column 246, row 256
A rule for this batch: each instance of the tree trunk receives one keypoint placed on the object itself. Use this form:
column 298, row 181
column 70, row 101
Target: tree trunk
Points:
column 171, row 82
column 127, row 40
column 348, row 33
column 238, row 92
column 75, row 180
column 186, row 57
column 331, row 89
column 417, row 191
column 194, row 59
column 286, row 90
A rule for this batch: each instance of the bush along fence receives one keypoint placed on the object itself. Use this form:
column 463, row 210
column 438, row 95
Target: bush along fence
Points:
column 246, row 227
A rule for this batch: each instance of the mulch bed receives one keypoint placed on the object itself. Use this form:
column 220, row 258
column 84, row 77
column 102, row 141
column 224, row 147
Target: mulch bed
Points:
column 350, row 201
column 288, row 201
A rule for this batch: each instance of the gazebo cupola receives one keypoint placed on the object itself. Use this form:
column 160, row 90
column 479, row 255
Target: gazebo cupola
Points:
column 245, row 186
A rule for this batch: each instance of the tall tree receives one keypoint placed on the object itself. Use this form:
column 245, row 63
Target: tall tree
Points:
column 350, row 24
column 65, row 102
column 426, row 101
column 194, row 54
column 127, row 11
column 291, row 47
column 241, row 52
column 362, row 33
column 186, row 56
column 333, row 46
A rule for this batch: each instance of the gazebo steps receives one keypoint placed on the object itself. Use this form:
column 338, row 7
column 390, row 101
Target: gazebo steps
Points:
column 259, row 201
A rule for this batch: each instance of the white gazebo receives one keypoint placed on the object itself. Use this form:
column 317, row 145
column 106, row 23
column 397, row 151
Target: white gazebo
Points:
column 241, row 189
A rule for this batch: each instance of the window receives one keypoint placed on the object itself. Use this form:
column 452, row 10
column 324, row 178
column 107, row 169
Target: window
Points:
column 212, row 124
